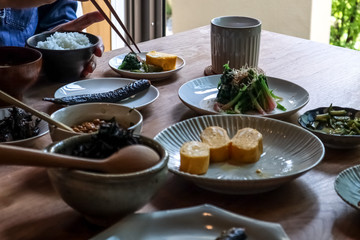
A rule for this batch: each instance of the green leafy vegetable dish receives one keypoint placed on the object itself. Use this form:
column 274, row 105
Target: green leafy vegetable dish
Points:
column 332, row 120
column 245, row 89
column 132, row 62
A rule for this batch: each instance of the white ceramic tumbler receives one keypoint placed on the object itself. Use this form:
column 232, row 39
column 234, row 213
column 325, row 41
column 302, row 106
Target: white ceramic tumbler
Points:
column 234, row 40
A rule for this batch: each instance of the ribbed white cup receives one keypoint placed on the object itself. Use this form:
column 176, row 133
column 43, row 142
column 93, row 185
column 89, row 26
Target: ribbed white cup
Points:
column 234, row 40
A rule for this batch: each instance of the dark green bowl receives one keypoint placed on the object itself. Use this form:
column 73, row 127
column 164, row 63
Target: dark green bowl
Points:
column 336, row 141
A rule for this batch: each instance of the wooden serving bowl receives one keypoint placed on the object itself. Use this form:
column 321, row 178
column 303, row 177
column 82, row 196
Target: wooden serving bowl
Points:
column 19, row 69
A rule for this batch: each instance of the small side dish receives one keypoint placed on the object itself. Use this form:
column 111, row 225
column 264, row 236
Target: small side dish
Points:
column 112, row 96
column 335, row 121
column 86, row 118
column 245, row 89
column 93, row 126
column 148, row 69
column 109, row 139
column 18, row 125
column 337, row 127
column 154, row 62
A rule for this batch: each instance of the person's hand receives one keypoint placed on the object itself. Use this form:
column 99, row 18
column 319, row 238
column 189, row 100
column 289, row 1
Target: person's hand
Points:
column 80, row 24
column 23, row 3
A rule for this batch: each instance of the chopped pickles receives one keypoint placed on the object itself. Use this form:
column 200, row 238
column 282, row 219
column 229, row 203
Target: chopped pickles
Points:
column 337, row 121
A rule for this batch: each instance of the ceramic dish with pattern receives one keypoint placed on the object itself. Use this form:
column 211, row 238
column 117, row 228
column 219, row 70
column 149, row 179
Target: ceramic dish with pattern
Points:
column 288, row 152
column 203, row 222
column 28, row 142
column 347, row 186
column 115, row 62
column 138, row 101
column 199, row 95
column 336, row 141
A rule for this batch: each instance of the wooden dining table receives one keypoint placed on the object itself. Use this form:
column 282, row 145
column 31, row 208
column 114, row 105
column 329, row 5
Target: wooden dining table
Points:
column 307, row 207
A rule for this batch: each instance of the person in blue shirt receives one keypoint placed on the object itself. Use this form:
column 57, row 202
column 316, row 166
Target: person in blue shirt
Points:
column 18, row 22
column 25, row 3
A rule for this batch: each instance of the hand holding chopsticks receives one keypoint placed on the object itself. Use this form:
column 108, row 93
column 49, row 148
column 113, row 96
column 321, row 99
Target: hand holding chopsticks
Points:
column 112, row 10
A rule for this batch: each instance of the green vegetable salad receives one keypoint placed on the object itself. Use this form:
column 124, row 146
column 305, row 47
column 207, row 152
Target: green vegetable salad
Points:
column 132, row 62
column 245, row 89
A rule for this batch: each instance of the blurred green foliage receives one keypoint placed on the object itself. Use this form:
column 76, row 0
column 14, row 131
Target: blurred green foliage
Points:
column 168, row 10
column 345, row 28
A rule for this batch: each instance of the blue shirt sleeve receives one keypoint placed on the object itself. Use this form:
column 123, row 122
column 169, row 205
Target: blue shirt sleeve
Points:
column 52, row 15
column 17, row 25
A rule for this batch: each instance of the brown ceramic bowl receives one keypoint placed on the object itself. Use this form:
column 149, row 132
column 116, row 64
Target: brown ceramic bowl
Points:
column 19, row 69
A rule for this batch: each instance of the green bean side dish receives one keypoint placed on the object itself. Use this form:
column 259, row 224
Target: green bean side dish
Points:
column 336, row 122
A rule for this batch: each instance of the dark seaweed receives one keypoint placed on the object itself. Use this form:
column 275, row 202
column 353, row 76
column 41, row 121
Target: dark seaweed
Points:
column 111, row 96
column 109, row 139
column 19, row 125
column 130, row 62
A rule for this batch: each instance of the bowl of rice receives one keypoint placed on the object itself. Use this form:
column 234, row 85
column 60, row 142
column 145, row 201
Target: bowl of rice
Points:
column 65, row 54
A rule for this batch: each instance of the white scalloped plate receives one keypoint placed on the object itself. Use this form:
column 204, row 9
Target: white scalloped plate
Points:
column 347, row 186
column 199, row 95
column 289, row 152
column 115, row 62
column 204, row 222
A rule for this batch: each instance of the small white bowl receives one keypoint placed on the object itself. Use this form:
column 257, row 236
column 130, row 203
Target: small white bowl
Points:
column 77, row 114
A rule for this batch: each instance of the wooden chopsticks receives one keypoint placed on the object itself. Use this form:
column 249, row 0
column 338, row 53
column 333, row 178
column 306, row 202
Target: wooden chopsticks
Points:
column 112, row 10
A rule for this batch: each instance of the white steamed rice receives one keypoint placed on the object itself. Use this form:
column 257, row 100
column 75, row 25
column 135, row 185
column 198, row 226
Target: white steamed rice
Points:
column 65, row 41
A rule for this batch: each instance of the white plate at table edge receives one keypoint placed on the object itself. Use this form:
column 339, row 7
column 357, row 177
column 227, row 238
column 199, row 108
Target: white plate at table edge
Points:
column 115, row 62
column 226, row 178
column 199, row 95
column 138, row 101
column 347, row 186
column 199, row 222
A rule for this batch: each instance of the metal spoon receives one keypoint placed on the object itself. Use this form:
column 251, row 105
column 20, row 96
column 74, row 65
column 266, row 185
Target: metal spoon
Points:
column 132, row 158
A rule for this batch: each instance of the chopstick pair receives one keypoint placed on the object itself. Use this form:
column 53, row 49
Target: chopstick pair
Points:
column 112, row 10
